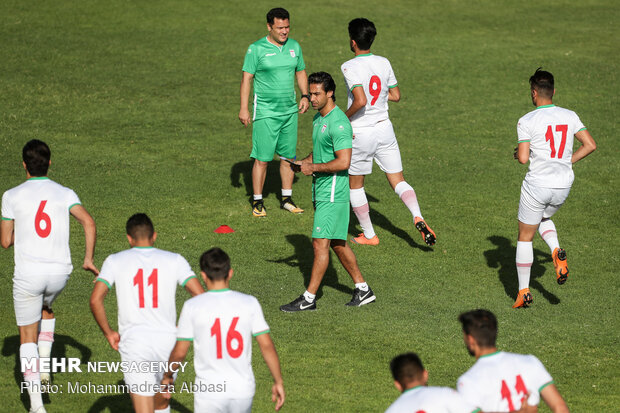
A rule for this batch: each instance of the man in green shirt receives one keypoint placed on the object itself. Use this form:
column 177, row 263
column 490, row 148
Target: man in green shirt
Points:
column 332, row 138
column 272, row 64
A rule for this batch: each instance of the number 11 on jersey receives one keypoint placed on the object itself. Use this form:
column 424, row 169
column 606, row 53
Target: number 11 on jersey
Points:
column 139, row 281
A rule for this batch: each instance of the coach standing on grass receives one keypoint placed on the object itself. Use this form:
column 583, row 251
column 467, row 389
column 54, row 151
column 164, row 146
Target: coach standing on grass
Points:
column 328, row 163
column 273, row 63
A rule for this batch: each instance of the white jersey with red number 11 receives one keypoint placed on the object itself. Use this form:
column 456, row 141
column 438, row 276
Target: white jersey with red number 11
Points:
column 375, row 75
column 221, row 324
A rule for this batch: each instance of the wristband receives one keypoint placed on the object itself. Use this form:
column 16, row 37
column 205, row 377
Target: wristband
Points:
column 306, row 96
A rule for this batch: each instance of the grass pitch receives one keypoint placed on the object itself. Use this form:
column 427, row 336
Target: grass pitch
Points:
column 139, row 104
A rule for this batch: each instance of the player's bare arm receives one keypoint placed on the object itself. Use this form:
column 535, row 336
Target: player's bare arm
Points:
column 522, row 152
column 359, row 101
column 394, row 94
column 177, row 355
column 268, row 350
column 587, row 145
column 341, row 163
column 96, row 306
column 7, row 235
column 554, row 400
column 90, row 234
column 194, row 287
column 246, row 87
column 302, row 82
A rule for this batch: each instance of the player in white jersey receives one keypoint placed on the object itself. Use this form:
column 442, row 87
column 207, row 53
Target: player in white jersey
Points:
column 371, row 84
column 221, row 324
column 35, row 219
column 545, row 138
column 410, row 378
column 500, row 381
column 146, row 279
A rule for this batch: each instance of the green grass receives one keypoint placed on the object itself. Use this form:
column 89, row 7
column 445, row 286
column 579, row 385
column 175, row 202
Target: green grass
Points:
column 139, row 104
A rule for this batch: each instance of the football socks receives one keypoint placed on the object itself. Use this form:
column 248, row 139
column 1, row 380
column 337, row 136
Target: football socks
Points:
column 524, row 260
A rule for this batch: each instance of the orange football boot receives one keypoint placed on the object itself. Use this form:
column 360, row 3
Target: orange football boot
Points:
column 524, row 298
column 361, row 239
column 561, row 268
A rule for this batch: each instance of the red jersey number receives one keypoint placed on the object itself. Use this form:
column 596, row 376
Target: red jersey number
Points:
column 231, row 336
column 139, row 281
column 549, row 138
column 374, row 89
column 519, row 388
column 41, row 217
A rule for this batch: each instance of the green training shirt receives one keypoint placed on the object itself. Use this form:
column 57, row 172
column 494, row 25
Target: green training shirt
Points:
column 330, row 133
column 274, row 69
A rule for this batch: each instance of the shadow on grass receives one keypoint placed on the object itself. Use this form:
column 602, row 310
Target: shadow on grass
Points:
column 122, row 403
column 241, row 175
column 10, row 347
column 503, row 257
column 303, row 259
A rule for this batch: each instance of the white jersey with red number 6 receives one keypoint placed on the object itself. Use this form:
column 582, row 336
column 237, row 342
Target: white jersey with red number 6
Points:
column 375, row 75
column 40, row 210
column 146, row 279
column 550, row 130
column 221, row 324
column 499, row 382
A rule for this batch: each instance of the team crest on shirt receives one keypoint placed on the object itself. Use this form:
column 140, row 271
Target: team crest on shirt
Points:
column 324, row 127
column 341, row 127
column 292, row 52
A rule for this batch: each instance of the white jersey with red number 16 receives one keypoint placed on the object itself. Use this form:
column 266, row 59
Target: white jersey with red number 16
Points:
column 423, row 399
column 146, row 281
column 375, row 75
column 550, row 130
column 221, row 324
column 500, row 381
column 40, row 210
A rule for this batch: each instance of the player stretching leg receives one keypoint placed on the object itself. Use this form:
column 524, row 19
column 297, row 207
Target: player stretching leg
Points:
column 35, row 218
column 371, row 84
column 546, row 138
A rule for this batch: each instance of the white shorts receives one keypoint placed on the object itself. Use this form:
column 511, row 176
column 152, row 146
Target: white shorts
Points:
column 141, row 346
column 375, row 142
column 202, row 404
column 538, row 203
column 31, row 293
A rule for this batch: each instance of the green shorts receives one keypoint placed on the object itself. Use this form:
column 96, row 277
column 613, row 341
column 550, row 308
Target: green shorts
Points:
column 274, row 135
column 331, row 220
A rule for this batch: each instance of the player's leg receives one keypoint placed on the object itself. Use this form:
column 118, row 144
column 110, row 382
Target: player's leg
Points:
column 287, row 146
column 142, row 404
column 55, row 285
column 362, row 294
column 549, row 234
column 161, row 405
column 263, row 149
column 364, row 147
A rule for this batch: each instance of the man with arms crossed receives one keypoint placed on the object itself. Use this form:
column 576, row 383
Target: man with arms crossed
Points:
column 221, row 324
column 146, row 279
column 500, row 381
column 328, row 164
column 273, row 63
column 35, row 218
column 546, row 141
column 371, row 84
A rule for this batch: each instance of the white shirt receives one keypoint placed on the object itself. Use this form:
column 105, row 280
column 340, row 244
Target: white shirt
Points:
column 375, row 75
column 146, row 279
column 40, row 210
column 431, row 400
column 221, row 324
column 499, row 381
column 550, row 130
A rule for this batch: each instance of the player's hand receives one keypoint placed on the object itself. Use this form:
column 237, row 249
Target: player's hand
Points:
column 516, row 153
column 244, row 117
column 167, row 385
column 304, row 104
column 277, row 395
column 113, row 338
column 526, row 408
column 89, row 266
column 306, row 168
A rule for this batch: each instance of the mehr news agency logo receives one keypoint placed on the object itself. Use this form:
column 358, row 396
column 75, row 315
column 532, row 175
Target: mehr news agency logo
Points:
column 74, row 365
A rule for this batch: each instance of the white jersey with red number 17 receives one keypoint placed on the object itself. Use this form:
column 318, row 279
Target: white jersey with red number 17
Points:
column 375, row 75
column 423, row 399
column 221, row 324
column 40, row 208
column 500, row 381
column 550, row 130
column 146, row 279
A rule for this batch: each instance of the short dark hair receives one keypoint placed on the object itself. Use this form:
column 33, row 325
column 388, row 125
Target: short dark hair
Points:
column 363, row 31
column 325, row 79
column 215, row 263
column 140, row 226
column 277, row 13
column 481, row 325
column 406, row 368
column 36, row 155
column 542, row 82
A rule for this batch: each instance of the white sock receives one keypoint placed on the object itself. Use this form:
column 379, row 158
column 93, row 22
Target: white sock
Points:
column 524, row 260
column 362, row 286
column 362, row 211
column 46, row 337
column 166, row 410
column 258, row 197
column 287, row 192
column 547, row 231
column 28, row 351
column 309, row 297
column 406, row 194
